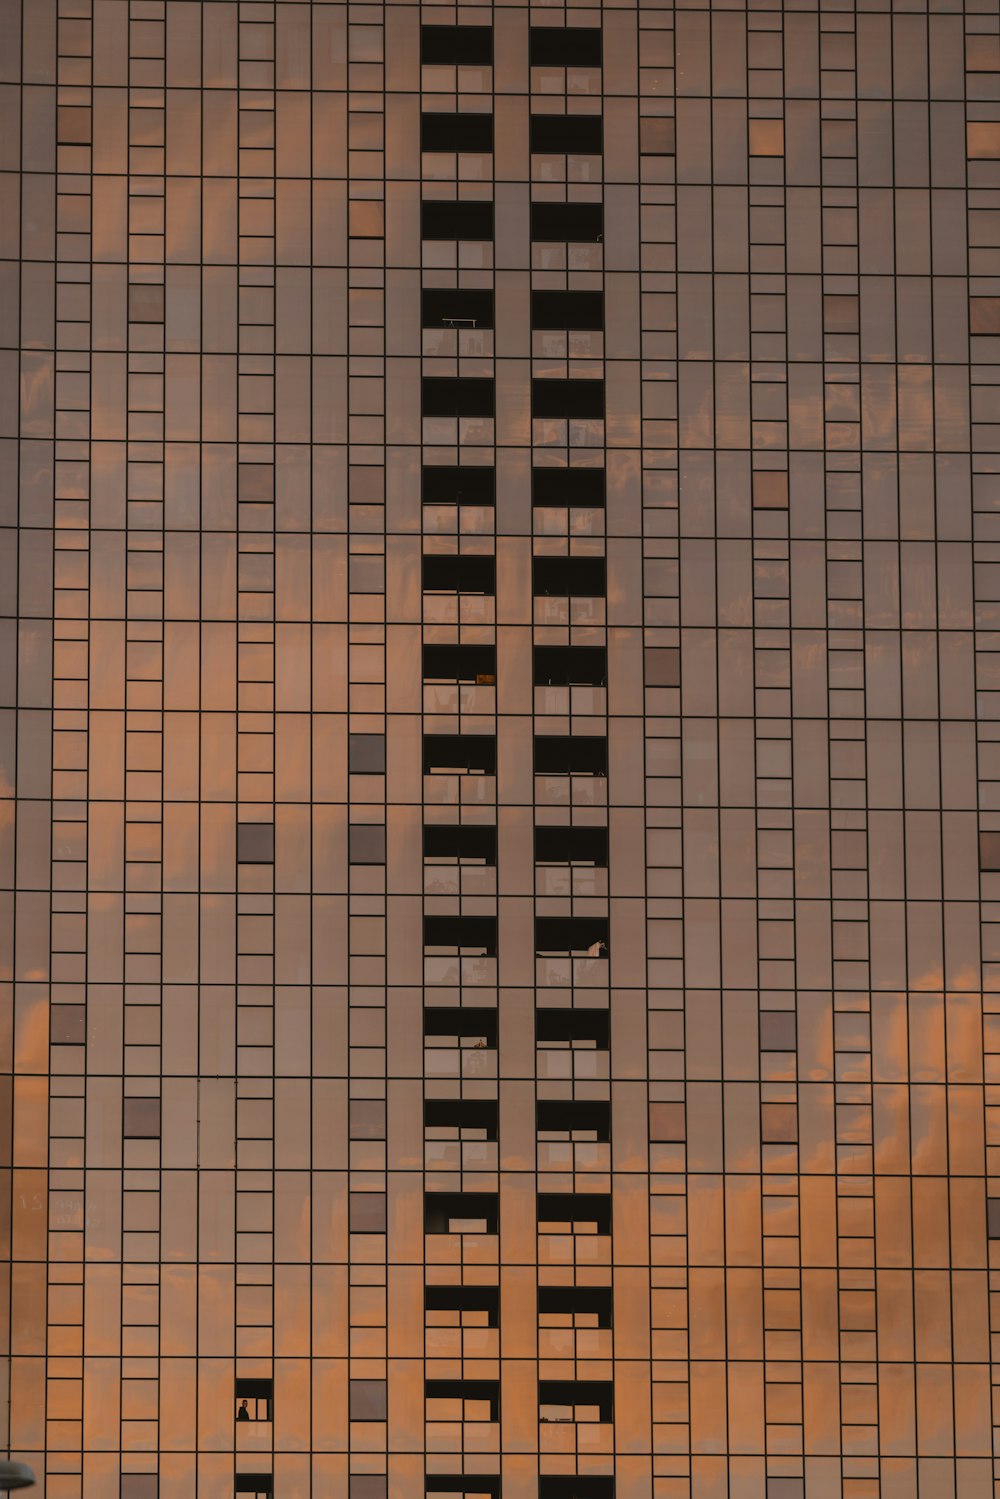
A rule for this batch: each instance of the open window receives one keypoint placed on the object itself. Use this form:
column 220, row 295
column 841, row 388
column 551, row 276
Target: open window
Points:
column 563, row 488
column 576, row 1400
column 462, row 1118
column 462, row 1399
column 254, row 1399
column 454, row 396
column 569, row 577
column 584, row 936
column 461, row 754
column 460, row 842
column 459, row 572
column 576, row 1486
column 579, row 223
column 460, row 663
column 564, row 46
column 570, row 666
column 470, row 1485
column 559, row 135
column 468, row 1306
column 456, row 219
column 571, row 843
column 567, row 309
column 456, row 307
column 461, row 131
column 461, row 1212
column 584, row 1119
column 574, row 1212
column 571, row 754
column 453, row 484
column 472, row 1026
column 589, row 1028
column 576, row 1306
column 563, row 400
column 259, row 1484
column 456, row 46
column 469, row 935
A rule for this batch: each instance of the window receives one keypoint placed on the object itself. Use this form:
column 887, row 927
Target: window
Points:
column 993, row 1217
column 254, row 1399
column 140, row 1485
column 565, row 843
column 462, row 1118
column 571, row 222
column 473, row 1305
column 456, row 132
column 663, row 666
column 565, row 487
column 667, row 1122
column 366, row 754
column 366, row 843
column 141, row 1118
column 471, row 1485
column 460, row 841
column 449, row 395
column 460, row 754
column 579, row 934
column 573, row 1027
column 368, row 1400
column 570, row 666
column 145, row 303
column 575, row 1400
column 468, row 934
column 458, row 485
column 574, row 1118
column 255, row 843
column 461, row 1212
column 567, row 309
column 777, row 1030
column 459, row 572
column 989, row 851
column 574, row 1212
column 576, row 1486
column 569, row 577
column 566, row 400
column 469, row 1025
column 563, row 135
column 565, row 46
column 571, row 754
column 68, row 1025
column 770, row 489
column 457, row 219
column 582, row 1306
column 984, row 315
column 456, row 306
column 460, row 663
column 462, row 1399
column 456, row 46
column 366, row 1119
column 260, row 1484
column 366, row 1212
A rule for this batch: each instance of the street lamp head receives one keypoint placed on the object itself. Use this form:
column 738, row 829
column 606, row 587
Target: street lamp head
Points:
column 15, row 1476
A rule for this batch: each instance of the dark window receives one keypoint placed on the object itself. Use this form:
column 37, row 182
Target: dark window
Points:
column 447, row 218
column 460, row 754
column 366, row 754
column 255, row 843
column 561, row 843
column 571, row 666
column 580, row 934
column 469, row 1022
column 461, row 1212
column 255, row 1483
column 463, row 932
column 461, row 841
column 563, row 399
column 466, row 1115
column 449, row 484
column 574, row 1116
column 457, row 132
column 583, row 1302
column 559, row 487
column 581, row 1210
column 460, row 663
column 580, row 222
column 555, row 135
column 567, row 309
column 564, row 1026
column 459, row 572
column 451, row 46
column 465, row 1299
column 482, row 1391
column 450, row 395
column 456, row 306
column 573, row 1393
column 253, row 1399
column 571, row 754
column 569, row 577
column 472, row 1485
column 366, row 843
column 576, row 1486
column 565, row 46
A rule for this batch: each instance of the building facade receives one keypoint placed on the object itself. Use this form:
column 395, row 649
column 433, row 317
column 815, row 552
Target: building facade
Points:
column 501, row 801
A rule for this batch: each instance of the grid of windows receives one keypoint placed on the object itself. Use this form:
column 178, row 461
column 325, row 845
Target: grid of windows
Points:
column 501, row 848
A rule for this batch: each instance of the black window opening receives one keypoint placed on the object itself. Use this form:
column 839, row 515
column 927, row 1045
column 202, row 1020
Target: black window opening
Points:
column 571, row 754
column 456, row 307
column 460, row 572
column 483, row 1394
column 574, row 1212
column 564, row 46
column 576, row 1400
column 254, row 1483
column 456, row 46
column 454, row 484
column 473, row 1305
column 254, row 1398
column 450, row 395
column 559, row 135
column 584, row 1306
column 571, row 843
column 584, row 935
column 457, row 219
column 460, row 843
column 563, row 488
column 460, row 663
column 573, row 1027
column 574, row 1118
column 576, row 1486
column 472, row 1485
column 569, row 577
column 580, row 223
column 466, row 1118
column 463, row 131
column 460, row 754
column 567, row 309
column 562, row 400
column 570, row 666
column 461, row 1212
column 477, row 1026
column 472, row 935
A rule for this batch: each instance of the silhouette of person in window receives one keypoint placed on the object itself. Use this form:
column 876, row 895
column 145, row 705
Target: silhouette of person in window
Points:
column 243, row 1414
